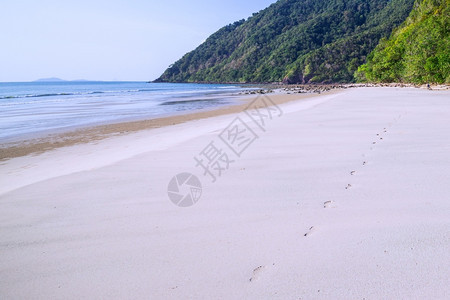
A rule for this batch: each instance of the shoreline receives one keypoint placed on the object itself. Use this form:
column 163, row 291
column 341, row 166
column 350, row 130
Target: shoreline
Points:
column 91, row 133
column 279, row 93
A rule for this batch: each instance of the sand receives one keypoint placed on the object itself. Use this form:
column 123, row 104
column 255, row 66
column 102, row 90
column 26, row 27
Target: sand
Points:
column 344, row 196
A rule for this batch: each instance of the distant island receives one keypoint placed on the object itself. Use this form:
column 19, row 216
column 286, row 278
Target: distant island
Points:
column 51, row 79
column 55, row 79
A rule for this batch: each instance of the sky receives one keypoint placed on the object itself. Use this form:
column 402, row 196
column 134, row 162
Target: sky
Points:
column 107, row 39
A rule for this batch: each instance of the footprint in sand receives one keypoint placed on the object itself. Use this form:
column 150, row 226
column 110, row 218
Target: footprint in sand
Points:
column 329, row 204
column 311, row 230
column 256, row 273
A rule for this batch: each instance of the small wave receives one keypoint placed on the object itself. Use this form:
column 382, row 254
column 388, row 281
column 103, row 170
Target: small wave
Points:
column 189, row 101
column 49, row 95
column 120, row 91
column 36, row 96
column 190, row 92
column 67, row 94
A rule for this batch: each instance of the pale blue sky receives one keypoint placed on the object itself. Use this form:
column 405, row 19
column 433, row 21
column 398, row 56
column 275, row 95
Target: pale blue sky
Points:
column 107, row 39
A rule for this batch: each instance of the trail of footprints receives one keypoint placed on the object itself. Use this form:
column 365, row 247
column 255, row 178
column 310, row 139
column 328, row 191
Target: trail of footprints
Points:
column 330, row 204
column 379, row 139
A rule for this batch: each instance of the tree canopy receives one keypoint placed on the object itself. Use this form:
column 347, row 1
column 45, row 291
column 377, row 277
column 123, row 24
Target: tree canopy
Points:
column 417, row 51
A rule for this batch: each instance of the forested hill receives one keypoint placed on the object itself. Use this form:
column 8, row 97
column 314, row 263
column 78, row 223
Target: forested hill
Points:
column 418, row 51
column 295, row 41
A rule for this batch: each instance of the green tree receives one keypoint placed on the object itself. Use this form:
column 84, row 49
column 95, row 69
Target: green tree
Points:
column 417, row 51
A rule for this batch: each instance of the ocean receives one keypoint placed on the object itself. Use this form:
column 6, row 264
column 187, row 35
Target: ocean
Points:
column 30, row 109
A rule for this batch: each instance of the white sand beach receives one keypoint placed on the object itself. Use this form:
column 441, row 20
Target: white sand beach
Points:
column 343, row 196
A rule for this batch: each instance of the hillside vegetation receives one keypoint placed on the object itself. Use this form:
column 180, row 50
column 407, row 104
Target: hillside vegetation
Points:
column 417, row 51
column 294, row 41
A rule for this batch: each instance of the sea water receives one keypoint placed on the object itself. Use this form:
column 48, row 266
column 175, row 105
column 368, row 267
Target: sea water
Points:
column 28, row 109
